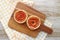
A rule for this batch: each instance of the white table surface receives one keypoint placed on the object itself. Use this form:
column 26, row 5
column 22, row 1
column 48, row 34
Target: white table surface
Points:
column 53, row 15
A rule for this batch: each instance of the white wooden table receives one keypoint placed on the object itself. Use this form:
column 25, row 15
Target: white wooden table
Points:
column 53, row 13
column 3, row 35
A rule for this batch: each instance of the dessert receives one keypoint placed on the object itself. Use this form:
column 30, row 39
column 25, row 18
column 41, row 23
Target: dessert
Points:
column 33, row 22
column 20, row 16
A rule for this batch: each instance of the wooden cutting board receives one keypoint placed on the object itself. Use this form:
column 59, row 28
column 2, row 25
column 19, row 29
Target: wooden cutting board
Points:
column 23, row 27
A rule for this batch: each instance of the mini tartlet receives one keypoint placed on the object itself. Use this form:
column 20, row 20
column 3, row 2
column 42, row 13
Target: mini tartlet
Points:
column 33, row 22
column 20, row 16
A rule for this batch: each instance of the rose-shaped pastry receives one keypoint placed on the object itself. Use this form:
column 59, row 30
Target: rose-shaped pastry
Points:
column 33, row 22
column 20, row 16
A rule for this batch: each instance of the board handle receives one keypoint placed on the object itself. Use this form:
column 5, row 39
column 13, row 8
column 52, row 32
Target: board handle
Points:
column 46, row 29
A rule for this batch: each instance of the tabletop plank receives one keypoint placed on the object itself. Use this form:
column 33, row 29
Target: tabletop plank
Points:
column 3, row 35
column 52, row 38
